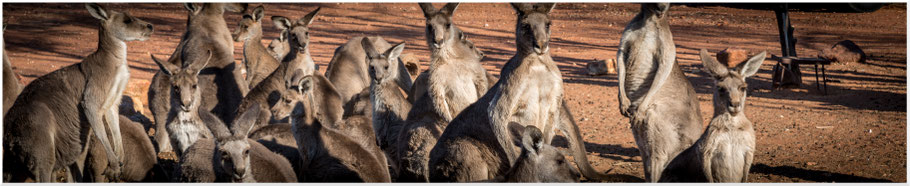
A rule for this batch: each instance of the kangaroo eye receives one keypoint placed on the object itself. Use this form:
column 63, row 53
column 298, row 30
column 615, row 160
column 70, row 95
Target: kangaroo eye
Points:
column 194, row 86
column 246, row 152
column 127, row 20
column 722, row 90
column 742, row 89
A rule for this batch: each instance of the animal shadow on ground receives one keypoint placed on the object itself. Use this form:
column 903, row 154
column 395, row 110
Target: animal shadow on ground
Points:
column 810, row 175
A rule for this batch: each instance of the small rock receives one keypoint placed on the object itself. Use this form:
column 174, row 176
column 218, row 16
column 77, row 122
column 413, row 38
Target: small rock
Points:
column 601, row 67
column 845, row 51
column 811, row 163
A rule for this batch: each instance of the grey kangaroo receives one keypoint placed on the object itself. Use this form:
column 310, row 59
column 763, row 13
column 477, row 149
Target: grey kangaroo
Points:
column 348, row 68
column 390, row 106
column 258, row 60
column 184, row 125
column 46, row 128
column 724, row 151
column 220, row 80
column 272, row 88
column 653, row 92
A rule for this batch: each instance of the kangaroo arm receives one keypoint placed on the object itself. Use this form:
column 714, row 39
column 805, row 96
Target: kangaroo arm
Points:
column 706, row 156
column 624, row 101
column 91, row 107
column 500, row 110
column 746, row 165
column 667, row 61
column 576, row 144
column 440, row 103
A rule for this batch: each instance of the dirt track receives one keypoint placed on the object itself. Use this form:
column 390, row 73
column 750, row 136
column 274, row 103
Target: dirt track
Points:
column 856, row 133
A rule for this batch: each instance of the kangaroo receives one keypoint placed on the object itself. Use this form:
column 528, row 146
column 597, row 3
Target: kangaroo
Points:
column 539, row 161
column 279, row 47
column 139, row 160
column 279, row 139
column 11, row 85
column 529, row 92
column 256, row 57
column 328, row 154
column 232, row 156
column 419, row 86
column 477, row 144
column 348, row 69
column 183, row 123
column 46, row 127
column 724, row 151
column 329, row 113
column 390, row 106
column 206, row 31
column 359, row 105
column 455, row 78
column 653, row 92
column 271, row 89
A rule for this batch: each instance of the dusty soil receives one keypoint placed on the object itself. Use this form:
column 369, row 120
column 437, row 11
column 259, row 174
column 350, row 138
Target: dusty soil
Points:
column 856, row 133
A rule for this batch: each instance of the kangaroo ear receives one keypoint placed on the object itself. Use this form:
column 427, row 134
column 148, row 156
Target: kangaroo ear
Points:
column 306, row 84
column 307, row 19
column 296, row 76
column 711, row 65
column 368, row 48
column 258, row 13
column 751, row 66
column 531, row 139
column 197, row 66
column 244, row 123
column 395, row 51
column 282, row 23
column 193, row 8
column 166, row 67
column 97, row 11
column 450, row 8
column 545, row 7
column 218, row 128
column 428, row 9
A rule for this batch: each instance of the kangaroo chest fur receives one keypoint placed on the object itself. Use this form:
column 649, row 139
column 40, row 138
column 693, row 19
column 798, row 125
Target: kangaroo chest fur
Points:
column 185, row 130
column 732, row 144
column 641, row 67
column 538, row 93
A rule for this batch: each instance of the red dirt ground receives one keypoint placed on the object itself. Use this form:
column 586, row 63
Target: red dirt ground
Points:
column 856, row 133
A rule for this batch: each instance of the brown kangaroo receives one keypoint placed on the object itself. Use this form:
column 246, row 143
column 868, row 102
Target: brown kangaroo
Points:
column 256, row 57
column 724, row 151
column 139, row 160
column 329, row 155
column 46, row 128
column 348, row 68
column 183, row 123
column 206, row 31
column 232, row 156
column 653, row 92
column 272, row 88
column 390, row 106
column 539, row 161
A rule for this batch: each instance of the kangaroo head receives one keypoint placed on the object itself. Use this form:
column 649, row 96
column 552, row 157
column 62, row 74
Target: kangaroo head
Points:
column 122, row 26
column 250, row 25
column 214, row 8
column 185, row 81
column 440, row 29
column 532, row 31
column 233, row 148
column 298, row 32
column 540, row 162
column 469, row 46
column 656, row 9
column 383, row 66
column 730, row 84
column 279, row 47
column 309, row 96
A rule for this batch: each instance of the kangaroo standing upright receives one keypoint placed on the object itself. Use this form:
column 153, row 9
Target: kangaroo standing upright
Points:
column 298, row 58
column 258, row 60
column 220, row 80
column 46, row 128
column 724, row 151
column 653, row 92
column 348, row 68
column 184, row 125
